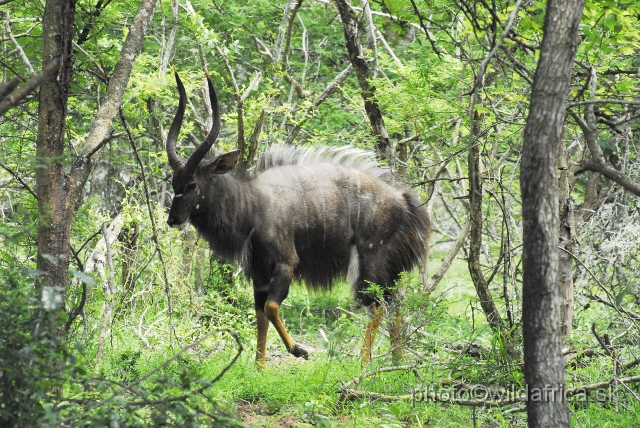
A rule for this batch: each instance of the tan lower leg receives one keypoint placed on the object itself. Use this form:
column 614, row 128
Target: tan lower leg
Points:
column 370, row 334
column 271, row 309
column 263, row 328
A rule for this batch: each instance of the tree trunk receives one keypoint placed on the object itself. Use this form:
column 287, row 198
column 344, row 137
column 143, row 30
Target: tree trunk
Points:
column 55, row 207
column 543, row 362
column 566, row 235
column 363, row 72
column 475, row 244
column 58, row 186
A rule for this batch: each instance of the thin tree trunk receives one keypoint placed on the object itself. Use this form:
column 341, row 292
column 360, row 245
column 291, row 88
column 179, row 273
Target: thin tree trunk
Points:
column 110, row 291
column 363, row 72
column 54, row 204
column 566, row 231
column 475, row 245
column 542, row 330
column 60, row 190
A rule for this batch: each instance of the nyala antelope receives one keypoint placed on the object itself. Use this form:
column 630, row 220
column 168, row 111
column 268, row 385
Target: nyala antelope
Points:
column 310, row 214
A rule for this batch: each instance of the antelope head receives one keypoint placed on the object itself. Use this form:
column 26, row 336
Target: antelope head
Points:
column 186, row 180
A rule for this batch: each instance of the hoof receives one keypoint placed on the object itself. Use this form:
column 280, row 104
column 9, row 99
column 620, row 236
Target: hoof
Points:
column 299, row 352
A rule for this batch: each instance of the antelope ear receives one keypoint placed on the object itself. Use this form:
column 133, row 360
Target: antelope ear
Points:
column 224, row 163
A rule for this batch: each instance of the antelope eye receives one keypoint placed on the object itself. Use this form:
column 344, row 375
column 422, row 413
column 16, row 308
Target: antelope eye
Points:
column 190, row 187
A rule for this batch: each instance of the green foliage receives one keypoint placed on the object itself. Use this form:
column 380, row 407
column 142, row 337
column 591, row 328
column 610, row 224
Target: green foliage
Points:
column 32, row 359
column 140, row 380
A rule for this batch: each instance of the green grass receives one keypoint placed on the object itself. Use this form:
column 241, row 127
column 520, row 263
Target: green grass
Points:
column 296, row 392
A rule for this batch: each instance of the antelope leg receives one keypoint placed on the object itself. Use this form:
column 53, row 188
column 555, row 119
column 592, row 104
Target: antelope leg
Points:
column 370, row 334
column 263, row 328
column 271, row 309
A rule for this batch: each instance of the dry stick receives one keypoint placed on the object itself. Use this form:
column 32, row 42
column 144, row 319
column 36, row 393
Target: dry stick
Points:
column 105, row 74
column 172, row 36
column 153, row 224
column 388, row 48
column 285, row 28
column 371, row 34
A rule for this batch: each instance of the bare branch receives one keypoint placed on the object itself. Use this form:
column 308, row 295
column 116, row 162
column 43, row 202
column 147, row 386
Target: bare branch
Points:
column 292, row 17
column 35, row 81
column 252, row 86
column 330, row 89
column 598, row 162
column 371, row 33
column 603, row 101
column 172, row 37
column 120, row 77
column 446, row 263
column 105, row 75
column 20, row 180
column 25, row 59
column 8, row 87
column 388, row 48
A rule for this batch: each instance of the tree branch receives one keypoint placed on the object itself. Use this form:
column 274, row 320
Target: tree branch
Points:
column 25, row 59
column 330, row 89
column 118, row 83
column 598, row 162
column 20, row 180
column 363, row 72
column 19, row 94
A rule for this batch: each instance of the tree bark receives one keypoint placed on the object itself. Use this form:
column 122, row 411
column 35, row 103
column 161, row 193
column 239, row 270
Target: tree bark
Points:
column 52, row 184
column 363, row 72
column 10, row 98
column 566, row 237
column 599, row 163
column 543, row 362
column 475, row 244
column 58, row 186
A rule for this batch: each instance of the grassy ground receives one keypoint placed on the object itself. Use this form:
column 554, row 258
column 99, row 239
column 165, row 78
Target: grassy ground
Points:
column 291, row 392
